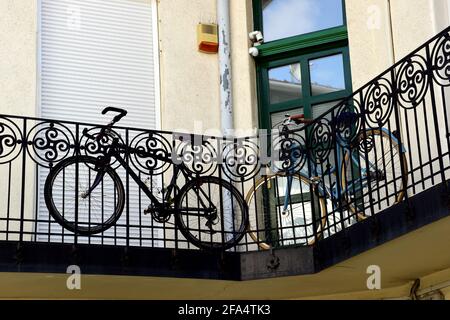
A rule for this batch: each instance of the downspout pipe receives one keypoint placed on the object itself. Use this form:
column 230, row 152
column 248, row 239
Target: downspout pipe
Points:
column 226, row 97
column 391, row 32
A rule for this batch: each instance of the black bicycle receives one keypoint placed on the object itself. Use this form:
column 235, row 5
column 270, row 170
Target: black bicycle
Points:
column 85, row 195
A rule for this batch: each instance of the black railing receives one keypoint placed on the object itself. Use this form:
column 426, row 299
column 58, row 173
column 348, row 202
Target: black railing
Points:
column 378, row 147
column 48, row 167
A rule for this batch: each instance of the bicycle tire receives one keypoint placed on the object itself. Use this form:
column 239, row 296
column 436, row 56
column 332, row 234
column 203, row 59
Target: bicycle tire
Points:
column 401, row 190
column 193, row 235
column 253, row 229
column 60, row 217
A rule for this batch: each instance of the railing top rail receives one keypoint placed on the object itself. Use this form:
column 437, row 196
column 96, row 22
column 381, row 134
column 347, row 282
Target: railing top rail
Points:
column 118, row 127
column 361, row 89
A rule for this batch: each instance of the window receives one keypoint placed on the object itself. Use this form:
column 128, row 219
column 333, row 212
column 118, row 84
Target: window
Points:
column 327, row 74
column 304, row 63
column 287, row 18
column 285, row 83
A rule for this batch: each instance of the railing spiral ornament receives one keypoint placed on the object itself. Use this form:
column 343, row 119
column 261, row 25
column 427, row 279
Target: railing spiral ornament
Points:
column 288, row 152
column 10, row 138
column 366, row 144
column 197, row 153
column 347, row 123
column 151, row 143
column 50, row 142
column 321, row 140
column 440, row 60
column 412, row 82
column 378, row 102
column 240, row 159
column 95, row 148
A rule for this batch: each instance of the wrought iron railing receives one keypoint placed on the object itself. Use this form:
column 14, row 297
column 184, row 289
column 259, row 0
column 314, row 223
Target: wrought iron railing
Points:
column 301, row 183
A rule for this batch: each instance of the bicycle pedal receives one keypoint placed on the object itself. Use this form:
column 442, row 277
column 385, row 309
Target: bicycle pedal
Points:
column 209, row 224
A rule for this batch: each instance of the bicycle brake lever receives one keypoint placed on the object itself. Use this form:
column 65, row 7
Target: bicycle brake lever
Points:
column 86, row 134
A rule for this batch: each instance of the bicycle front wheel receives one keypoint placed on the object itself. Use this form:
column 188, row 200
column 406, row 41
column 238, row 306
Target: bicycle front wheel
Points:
column 211, row 213
column 272, row 223
column 73, row 207
column 372, row 174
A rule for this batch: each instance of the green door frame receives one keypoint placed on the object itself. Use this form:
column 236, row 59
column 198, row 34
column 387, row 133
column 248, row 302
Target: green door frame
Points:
column 307, row 101
column 298, row 49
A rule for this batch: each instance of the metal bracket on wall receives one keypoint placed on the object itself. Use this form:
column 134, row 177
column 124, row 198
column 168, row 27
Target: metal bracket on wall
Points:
column 125, row 259
column 273, row 261
column 375, row 228
column 347, row 244
column 19, row 256
column 446, row 195
column 74, row 255
column 221, row 261
column 174, row 258
column 410, row 212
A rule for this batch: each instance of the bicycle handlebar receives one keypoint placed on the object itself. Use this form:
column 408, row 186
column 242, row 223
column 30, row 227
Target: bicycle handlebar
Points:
column 117, row 118
column 122, row 113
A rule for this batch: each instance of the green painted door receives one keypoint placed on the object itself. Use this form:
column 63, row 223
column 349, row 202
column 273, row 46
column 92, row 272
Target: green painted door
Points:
column 304, row 65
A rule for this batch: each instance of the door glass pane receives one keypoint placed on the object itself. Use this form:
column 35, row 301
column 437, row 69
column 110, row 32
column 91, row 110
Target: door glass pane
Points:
column 278, row 117
column 287, row 18
column 327, row 74
column 285, row 83
column 319, row 109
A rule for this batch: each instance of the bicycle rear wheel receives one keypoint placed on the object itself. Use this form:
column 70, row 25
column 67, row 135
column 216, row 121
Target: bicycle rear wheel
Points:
column 211, row 213
column 300, row 224
column 69, row 203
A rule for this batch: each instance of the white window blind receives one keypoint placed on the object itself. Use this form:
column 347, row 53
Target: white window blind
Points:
column 98, row 53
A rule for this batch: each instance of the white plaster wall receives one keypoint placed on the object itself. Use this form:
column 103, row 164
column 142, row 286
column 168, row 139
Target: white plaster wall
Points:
column 190, row 79
column 18, row 42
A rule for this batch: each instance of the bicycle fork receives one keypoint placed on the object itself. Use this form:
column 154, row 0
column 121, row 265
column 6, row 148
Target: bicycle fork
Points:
column 97, row 180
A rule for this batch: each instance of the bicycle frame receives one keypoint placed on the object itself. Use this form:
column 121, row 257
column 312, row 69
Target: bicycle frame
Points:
column 335, row 193
column 115, row 150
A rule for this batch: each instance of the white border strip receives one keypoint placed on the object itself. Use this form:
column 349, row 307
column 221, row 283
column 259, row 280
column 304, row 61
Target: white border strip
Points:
column 157, row 89
column 38, row 107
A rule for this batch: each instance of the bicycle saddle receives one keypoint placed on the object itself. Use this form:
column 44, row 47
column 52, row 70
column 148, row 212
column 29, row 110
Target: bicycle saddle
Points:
column 300, row 118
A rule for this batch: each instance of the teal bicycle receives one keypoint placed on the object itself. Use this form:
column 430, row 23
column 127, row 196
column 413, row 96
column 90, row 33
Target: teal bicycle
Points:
column 297, row 207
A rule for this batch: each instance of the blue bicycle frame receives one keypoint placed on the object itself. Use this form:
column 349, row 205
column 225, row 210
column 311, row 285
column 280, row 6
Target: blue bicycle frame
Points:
column 335, row 193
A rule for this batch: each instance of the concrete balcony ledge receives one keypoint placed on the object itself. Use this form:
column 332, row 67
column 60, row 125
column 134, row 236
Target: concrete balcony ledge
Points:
column 393, row 236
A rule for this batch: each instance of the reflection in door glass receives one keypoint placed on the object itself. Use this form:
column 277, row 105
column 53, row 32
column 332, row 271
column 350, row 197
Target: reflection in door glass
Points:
column 287, row 18
column 277, row 118
column 285, row 83
column 327, row 74
column 320, row 109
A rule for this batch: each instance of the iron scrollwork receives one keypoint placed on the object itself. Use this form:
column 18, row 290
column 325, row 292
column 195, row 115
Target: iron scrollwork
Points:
column 240, row 159
column 347, row 121
column 321, row 140
column 412, row 81
column 10, row 138
column 440, row 60
column 94, row 147
column 50, row 142
column 288, row 151
column 197, row 153
column 378, row 102
column 151, row 151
